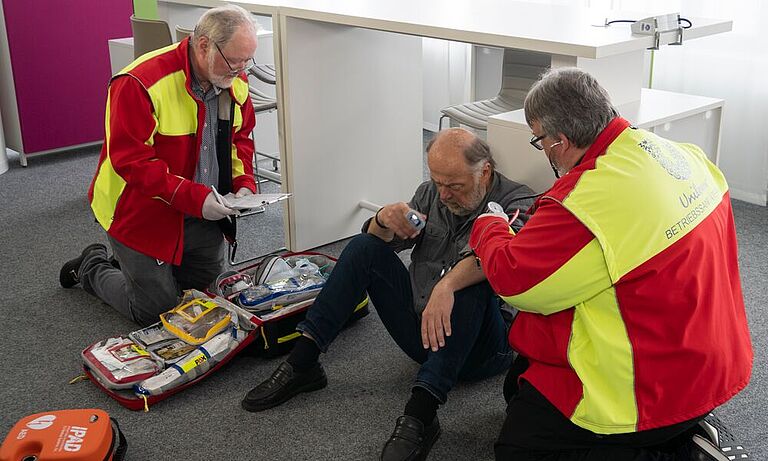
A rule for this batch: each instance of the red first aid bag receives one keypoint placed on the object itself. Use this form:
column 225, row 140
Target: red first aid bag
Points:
column 66, row 435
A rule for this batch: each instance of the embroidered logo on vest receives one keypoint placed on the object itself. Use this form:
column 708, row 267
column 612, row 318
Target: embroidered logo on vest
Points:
column 668, row 156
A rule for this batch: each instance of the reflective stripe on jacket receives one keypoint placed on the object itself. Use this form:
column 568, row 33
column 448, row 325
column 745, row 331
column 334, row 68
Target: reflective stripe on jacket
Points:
column 144, row 183
column 627, row 279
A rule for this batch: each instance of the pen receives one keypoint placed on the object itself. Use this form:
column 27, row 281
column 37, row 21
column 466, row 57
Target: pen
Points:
column 217, row 196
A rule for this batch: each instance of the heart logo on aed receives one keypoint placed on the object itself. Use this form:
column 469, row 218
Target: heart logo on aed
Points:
column 42, row 422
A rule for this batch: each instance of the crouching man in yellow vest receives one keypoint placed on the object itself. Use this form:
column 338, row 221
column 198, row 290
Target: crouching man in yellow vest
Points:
column 632, row 325
column 178, row 125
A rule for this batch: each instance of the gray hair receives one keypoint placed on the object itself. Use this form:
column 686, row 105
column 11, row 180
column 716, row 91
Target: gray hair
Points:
column 476, row 153
column 569, row 101
column 220, row 24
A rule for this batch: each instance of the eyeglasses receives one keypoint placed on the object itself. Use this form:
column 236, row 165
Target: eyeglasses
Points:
column 246, row 64
column 536, row 141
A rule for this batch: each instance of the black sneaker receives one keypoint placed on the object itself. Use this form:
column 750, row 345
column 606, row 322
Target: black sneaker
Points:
column 68, row 275
column 704, row 450
column 715, row 442
column 410, row 441
column 283, row 385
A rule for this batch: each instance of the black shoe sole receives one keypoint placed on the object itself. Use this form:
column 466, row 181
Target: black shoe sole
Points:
column 68, row 273
column 309, row 387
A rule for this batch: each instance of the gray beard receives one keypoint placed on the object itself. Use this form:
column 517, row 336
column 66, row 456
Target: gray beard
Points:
column 477, row 199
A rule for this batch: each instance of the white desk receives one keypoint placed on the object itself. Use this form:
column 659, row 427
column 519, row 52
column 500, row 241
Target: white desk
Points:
column 350, row 88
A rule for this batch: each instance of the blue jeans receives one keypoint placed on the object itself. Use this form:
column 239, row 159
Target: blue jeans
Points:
column 476, row 349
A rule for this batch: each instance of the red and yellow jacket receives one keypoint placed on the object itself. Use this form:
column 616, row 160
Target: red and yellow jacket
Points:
column 627, row 282
column 144, row 183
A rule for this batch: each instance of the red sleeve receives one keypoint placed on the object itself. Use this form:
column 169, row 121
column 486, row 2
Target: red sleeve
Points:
column 513, row 263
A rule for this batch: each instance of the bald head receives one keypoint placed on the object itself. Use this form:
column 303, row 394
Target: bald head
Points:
column 458, row 144
column 461, row 167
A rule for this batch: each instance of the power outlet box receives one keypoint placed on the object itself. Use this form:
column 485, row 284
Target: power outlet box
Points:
column 656, row 24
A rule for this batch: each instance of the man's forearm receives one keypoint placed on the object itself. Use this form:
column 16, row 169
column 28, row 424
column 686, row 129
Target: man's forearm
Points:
column 465, row 273
column 383, row 233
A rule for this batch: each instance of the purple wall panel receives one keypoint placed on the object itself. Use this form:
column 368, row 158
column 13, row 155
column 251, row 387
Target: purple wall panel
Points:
column 61, row 68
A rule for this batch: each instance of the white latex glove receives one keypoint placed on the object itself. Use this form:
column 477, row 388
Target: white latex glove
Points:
column 494, row 209
column 497, row 215
column 242, row 192
column 213, row 210
column 501, row 214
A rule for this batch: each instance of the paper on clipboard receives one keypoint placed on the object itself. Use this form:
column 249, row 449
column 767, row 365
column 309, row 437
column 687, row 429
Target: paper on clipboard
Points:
column 251, row 201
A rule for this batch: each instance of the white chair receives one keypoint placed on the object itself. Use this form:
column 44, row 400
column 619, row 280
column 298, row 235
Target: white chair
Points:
column 520, row 70
column 182, row 33
column 265, row 73
column 263, row 103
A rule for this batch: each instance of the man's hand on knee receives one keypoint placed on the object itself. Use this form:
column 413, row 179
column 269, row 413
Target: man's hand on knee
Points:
column 436, row 318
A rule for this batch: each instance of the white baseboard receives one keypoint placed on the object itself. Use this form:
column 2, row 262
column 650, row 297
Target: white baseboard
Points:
column 750, row 197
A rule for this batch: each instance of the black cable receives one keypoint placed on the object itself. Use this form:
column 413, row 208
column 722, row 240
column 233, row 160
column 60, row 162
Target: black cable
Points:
column 631, row 21
column 679, row 20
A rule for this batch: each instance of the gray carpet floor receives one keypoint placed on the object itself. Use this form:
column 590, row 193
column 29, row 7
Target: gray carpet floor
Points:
column 45, row 220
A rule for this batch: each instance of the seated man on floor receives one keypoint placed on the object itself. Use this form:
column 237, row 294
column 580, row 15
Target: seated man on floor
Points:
column 451, row 324
column 632, row 325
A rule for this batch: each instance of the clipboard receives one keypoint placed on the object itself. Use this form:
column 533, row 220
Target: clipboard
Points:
column 247, row 202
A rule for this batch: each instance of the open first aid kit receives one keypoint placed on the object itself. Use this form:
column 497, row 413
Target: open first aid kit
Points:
column 258, row 306
column 190, row 342
column 72, row 435
column 278, row 291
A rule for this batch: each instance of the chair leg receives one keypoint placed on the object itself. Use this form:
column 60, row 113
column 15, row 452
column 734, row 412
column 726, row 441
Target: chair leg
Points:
column 264, row 175
column 440, row 123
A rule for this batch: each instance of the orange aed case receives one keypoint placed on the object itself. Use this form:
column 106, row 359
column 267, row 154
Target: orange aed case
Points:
column 71, row 435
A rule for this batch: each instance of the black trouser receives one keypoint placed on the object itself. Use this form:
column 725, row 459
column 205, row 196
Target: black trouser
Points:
column 536, row 430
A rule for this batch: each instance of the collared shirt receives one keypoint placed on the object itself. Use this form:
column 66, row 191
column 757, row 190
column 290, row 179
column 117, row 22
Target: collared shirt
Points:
column 445, row 236
column 207, row 171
